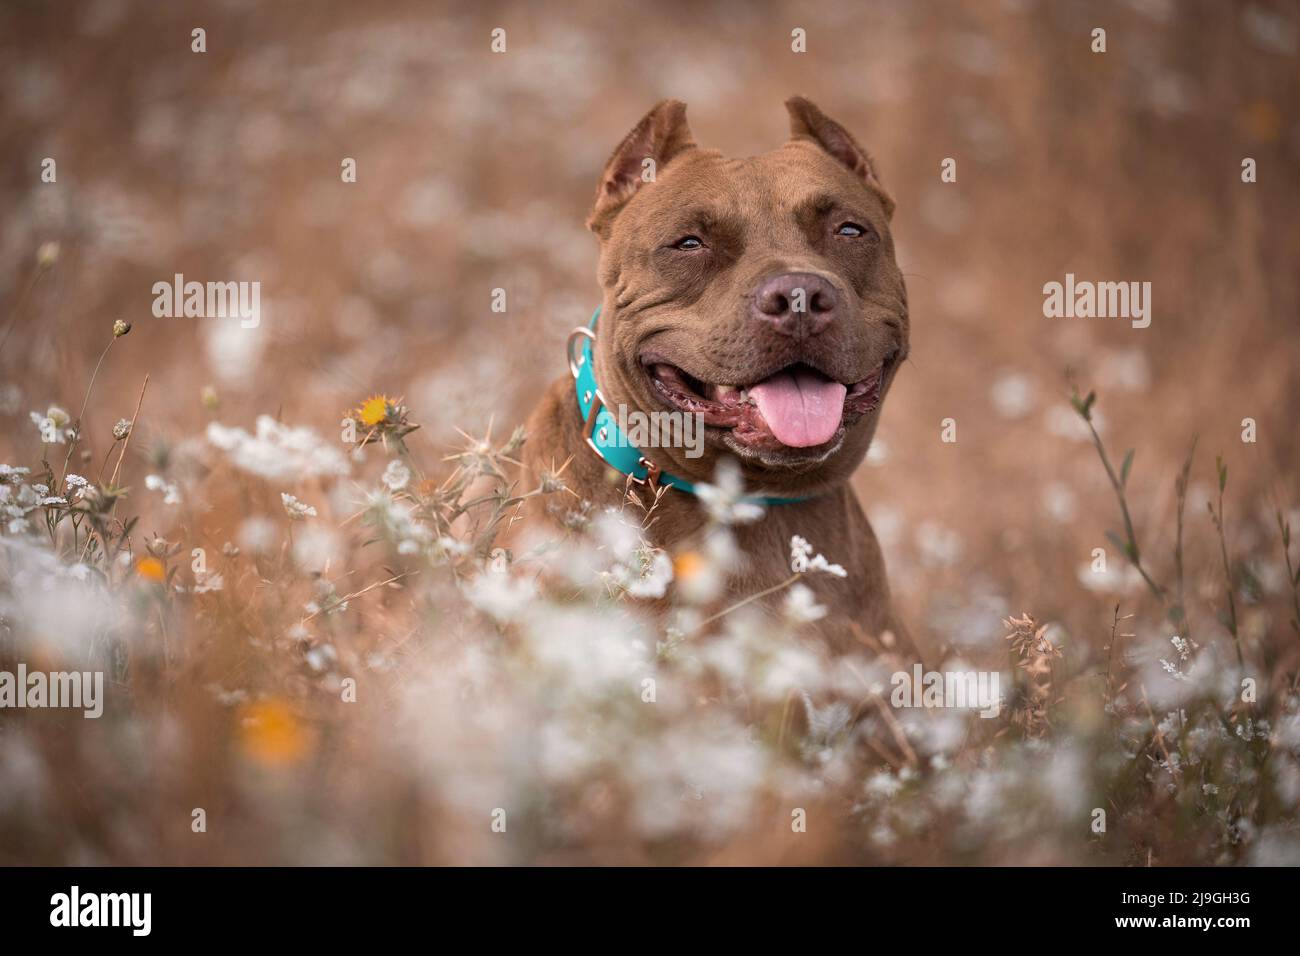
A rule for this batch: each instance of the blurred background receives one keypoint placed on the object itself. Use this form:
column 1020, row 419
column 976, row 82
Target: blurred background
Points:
column 475, row 171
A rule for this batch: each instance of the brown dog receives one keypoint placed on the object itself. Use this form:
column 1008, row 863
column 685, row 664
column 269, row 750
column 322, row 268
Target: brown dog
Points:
column 762, row 294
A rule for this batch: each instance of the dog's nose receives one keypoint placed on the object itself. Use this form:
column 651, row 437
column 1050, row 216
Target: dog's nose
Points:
column 796, row 303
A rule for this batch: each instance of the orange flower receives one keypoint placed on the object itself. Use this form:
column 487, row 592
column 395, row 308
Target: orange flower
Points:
column 688, row 564
column 271, row 733
column 151, row 569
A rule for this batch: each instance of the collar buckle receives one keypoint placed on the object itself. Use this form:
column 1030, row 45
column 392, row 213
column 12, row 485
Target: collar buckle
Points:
column 575, row 364
column 651, row 473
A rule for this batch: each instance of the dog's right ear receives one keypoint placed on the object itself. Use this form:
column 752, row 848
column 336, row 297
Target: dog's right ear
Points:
column 661, row 135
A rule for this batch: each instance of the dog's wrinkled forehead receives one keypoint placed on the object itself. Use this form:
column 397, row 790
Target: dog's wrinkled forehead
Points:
column 770, row 198
column 822, row 166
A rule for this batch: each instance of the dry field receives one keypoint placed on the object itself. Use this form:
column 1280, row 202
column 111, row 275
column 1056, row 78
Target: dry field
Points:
column 341, row 676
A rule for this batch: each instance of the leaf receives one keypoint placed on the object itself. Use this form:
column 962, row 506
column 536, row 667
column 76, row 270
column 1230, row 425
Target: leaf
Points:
column 1223, row 472
column 1124, row 468
column 1084, row 405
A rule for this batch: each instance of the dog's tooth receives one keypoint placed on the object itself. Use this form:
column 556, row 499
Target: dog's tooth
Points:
column 722, row 391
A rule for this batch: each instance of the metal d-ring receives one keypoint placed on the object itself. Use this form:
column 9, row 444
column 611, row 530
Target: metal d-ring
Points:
column 574, row 364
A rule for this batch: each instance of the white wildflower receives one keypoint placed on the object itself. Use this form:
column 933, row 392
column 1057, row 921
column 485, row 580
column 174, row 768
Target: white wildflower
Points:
column 28, row 499
column 295, row 509
column 882, row 783
column 1171, row 723
column 321, row 658
column 52, row 425
column 398, row 523
column 501, row 596
column 725, row 500
column 589, row 652
column 801, row 605
column 397, row 476
column 803, row 560
column 619, row 538
column 46, row 603
column 75, row 486
column 171, row 494
column 277, row 451
column 1172, row 670
column 208, row 581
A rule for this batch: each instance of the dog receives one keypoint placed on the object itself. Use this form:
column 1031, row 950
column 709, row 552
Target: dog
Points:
column 761, row 295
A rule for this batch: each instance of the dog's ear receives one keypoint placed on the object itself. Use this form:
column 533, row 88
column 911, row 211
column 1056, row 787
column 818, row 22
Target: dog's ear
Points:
column 809, row 122
column 661, row 135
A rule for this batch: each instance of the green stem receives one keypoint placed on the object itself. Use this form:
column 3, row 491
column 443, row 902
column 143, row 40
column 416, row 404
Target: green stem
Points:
column 1131, row 551
column 72, row 443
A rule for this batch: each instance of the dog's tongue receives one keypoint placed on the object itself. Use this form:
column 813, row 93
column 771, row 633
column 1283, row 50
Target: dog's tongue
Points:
column 802, row 408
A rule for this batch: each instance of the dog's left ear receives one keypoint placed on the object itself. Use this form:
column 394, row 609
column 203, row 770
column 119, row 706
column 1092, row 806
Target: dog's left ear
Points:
column 809, row 122
column 660, row 136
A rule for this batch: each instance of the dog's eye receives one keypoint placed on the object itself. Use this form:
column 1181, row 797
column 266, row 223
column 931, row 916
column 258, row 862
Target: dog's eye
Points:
column 688, row 243
column 850, row 229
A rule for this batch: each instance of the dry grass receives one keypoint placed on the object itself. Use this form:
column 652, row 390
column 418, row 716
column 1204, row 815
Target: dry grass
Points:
column 475, row 688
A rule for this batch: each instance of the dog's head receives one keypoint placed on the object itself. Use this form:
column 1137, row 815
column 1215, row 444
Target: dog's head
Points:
column 761, row 293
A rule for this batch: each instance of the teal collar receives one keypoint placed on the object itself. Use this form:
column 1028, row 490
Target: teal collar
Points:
column 601, row 430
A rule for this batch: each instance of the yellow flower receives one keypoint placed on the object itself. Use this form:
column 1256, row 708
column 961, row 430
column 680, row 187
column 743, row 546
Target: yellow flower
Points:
column 373, row 410
column 151, row 569
column 271, row 733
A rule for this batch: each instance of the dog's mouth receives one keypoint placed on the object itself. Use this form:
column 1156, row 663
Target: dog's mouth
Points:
column 796, row 407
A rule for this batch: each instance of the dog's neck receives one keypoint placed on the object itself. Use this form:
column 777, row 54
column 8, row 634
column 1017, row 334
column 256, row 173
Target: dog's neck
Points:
column 605, row 437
